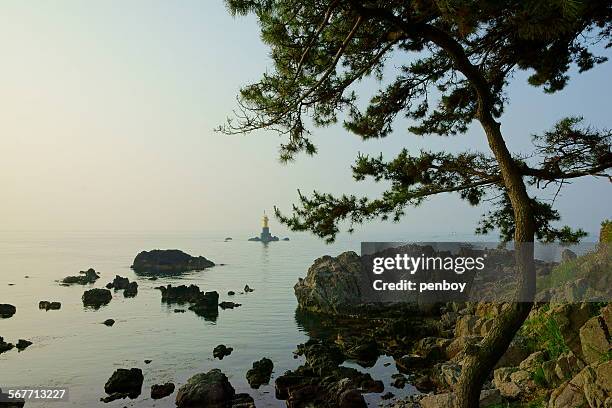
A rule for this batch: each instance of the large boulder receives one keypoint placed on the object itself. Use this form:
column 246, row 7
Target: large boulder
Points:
column 5, row 346
column 84, row 278
column 96, row 297
column 260, row 373
column 211, row 390
column 124, row 383
column 592, row 388
column 161, row 390
column 168, row 261
column 334, row 285
column 595, row 339
column 7, row 310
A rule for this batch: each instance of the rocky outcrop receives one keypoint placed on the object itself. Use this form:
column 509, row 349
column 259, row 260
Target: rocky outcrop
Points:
column 205, row 304
column 222, row 351
column 592, row 388
column 334, row 285
column 130, row 289
column 168, row 261
column 211, row 389
column 96, row 297
column 7, row 310
column 4, row 346
column 46, row 305
column 23, row 344
column 159, row 391
column 596, row 336
column 124, row 383
column 260, row 373
column 84, row 278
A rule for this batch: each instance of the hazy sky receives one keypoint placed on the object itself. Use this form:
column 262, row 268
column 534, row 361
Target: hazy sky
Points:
column 107, row 110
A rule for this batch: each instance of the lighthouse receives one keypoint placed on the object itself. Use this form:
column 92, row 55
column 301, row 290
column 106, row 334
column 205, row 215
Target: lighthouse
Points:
column 265, row 230
column 265, row 235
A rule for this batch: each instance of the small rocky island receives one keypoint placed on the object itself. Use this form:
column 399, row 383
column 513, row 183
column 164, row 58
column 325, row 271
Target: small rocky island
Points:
column 168, row 261
column 265, row 235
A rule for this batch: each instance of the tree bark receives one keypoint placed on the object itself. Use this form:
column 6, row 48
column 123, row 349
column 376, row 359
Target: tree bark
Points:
column 478, row 365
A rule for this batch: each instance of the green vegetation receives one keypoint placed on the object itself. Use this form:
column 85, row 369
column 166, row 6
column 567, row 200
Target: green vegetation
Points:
column 605, row 234
column 539, row 378
column 543, row 333
column 537, row 403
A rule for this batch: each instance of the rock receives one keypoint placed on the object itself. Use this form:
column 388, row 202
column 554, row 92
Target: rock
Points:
column 211, row 390
column 502, row 375
column 229, row 305
column 387, row 396
column 260, row 373
column 399, row 380
column 231, row 293
column 23, row 344
column 437, row 400
column 332, row 285
column 591, row 387
column 131, row 290
column 509, row 390
column 168, row 261
column 568, row 255
column 84, row 278
column 179, row 310
column 206, row 305
column 247, row 289
column 351, row 399
column 124, row 383
column 147, row 361
column 46, row 305
column 446, row 375
column 119, row 283
column 161, row 390
column 221, row 351
column 465, row 326
column 362, row 350
column 203, row 304
column 490, row 398
column 96, row 297
column 4, row 346
column 595, row 339
column 432, row 348
column 108, row 322
column 459, row 345
column 7, row 310
column 242, row 400
column 533, row 362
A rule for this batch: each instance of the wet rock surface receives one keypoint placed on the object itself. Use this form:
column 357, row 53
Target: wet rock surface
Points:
column 47, row 305
column 124, row 383
column 159, row 391
column 7, row 310
column 260, row 373
column 168, row 261
column 205, row 304
column 5, row 346
column 85, row 277
column 23, row 344
column 211, row 389
column 222, row 351
column 96, row 297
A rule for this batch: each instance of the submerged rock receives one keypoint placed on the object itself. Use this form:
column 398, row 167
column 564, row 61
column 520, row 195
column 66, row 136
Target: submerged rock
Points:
column 229, row 305
column 46, row 305
column 260, row 373
column 211, row 390
column 168, row 261
column 247, row 289
column 108, row 322
column 222, row 351
column 4, row 346
column 85, row 277
column 161, row 390
column 124, row 383
column 7, row 310
column 96, row 297
column 23, row 344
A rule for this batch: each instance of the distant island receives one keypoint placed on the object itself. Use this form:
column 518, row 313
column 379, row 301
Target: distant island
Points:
column 265, row 235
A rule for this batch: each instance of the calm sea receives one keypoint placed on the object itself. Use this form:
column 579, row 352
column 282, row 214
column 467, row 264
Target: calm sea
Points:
column 73, row 349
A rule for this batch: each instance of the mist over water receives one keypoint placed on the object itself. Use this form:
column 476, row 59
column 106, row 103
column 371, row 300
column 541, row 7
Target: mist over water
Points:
column 72, row 348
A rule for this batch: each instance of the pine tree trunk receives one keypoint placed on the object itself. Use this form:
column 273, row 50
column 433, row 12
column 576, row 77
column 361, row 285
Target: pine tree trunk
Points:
column 478, row 365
